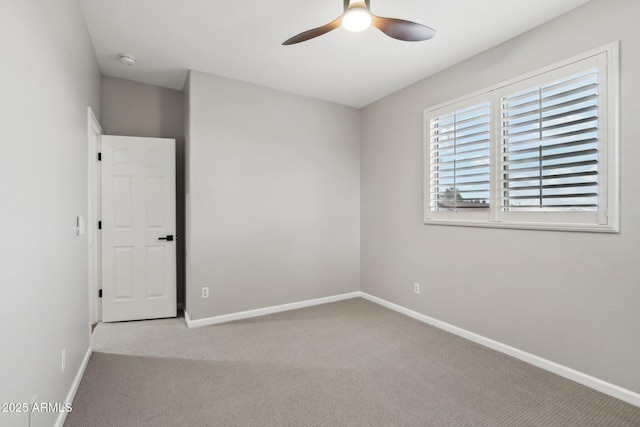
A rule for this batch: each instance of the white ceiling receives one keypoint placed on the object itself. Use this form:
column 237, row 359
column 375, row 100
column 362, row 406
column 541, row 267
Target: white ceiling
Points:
column 242, row 39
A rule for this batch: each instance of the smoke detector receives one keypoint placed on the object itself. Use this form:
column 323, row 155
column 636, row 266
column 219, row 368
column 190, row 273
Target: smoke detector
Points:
column 127, row 59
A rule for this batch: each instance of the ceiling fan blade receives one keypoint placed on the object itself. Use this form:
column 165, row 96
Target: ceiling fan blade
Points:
column 403, row 30
column 310, row 34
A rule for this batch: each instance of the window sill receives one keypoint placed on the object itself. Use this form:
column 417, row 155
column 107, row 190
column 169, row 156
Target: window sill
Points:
column 588, row 228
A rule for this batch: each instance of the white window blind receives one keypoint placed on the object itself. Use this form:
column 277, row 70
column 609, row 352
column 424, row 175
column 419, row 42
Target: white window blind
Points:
column 538, row 152
column 550, row 145
column 460, row 154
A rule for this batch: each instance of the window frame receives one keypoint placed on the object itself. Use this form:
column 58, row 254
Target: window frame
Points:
column 607, row 217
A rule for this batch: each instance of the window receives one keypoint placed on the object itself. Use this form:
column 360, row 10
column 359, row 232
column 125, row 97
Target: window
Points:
column 538, row 152
column 460, row 148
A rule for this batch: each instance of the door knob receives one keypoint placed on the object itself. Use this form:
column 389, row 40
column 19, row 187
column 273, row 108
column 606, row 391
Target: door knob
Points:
column 168, row 238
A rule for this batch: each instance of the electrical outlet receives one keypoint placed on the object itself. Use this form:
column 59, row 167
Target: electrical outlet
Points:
column 416, row 288
column 205, row 292
column 63, row 360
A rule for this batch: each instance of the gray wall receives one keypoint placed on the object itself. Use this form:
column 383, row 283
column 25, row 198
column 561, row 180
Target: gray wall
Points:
column 273, row 189
column 48, row 79
column 568, row 297
column 135, row 109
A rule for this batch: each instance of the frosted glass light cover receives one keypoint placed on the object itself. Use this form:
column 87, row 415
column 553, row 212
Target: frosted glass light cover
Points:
column 356, row 19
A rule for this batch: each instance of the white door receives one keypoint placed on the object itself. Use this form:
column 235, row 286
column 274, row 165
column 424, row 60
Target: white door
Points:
column 138, row 228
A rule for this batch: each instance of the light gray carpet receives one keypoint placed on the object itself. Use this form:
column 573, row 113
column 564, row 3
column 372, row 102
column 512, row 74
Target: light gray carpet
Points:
column 349, row 363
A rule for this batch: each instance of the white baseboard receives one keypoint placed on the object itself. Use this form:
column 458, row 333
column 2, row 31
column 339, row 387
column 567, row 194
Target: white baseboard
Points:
column 62, row 416
column 564, row 371
column 267, row 310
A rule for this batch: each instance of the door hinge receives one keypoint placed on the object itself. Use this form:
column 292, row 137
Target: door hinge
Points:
column 99, row 225
column 99, row 293
column 99, row 157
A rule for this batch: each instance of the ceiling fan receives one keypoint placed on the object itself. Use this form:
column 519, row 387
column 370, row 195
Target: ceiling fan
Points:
column 357, row 17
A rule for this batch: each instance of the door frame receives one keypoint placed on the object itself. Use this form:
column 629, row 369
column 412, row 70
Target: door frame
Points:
column 94, row 201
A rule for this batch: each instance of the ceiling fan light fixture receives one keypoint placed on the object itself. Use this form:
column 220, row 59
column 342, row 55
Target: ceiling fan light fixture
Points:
column 356, row 19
